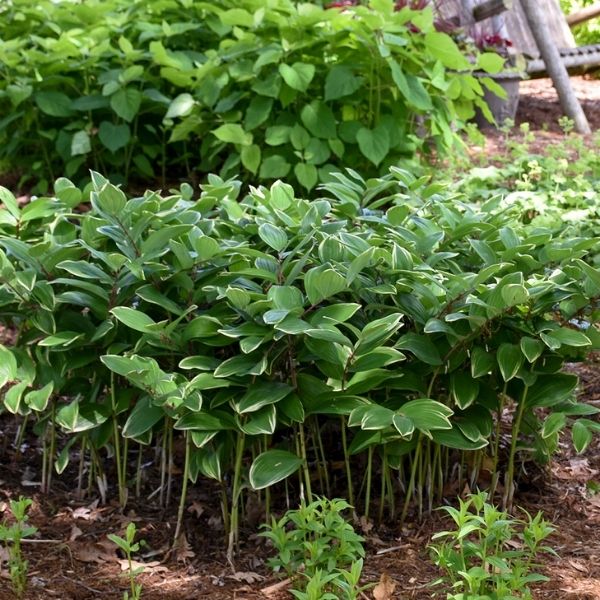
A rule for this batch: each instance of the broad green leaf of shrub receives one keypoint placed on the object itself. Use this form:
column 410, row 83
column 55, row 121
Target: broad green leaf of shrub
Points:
column 273, row 236
column 510, row 360
column 133, row 318
column 274, row 167
column 81, row 143
column 232, row 133
column 307, row 175
column 126, row 103
column 340, row 82
column 298, row 76
column 181, row 106
column 444, row 48
column 55, row 104
column 318, row 118
column 271, row 467
column 374, row 143
column 114, row 137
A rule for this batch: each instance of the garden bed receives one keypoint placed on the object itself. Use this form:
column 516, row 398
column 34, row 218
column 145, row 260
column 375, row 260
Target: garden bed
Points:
column 72, row 559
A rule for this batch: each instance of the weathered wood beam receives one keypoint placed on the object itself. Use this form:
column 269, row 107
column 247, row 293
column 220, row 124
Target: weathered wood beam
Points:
column 490, row 8
column 583, row 15
column 536, row 20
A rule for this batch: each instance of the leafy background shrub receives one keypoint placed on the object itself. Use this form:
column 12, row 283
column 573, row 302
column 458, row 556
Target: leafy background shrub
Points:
column 588, row 32
column 383, row 326
column 161, row 90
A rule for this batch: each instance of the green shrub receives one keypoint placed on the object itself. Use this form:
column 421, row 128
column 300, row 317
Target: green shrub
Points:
column 172, row 89
column 389, row 319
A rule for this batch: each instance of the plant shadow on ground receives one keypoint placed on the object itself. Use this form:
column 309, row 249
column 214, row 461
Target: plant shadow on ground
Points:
column 73, row 560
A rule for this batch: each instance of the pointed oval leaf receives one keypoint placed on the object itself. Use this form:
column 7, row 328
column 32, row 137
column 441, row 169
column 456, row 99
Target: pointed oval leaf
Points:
column 272, row 466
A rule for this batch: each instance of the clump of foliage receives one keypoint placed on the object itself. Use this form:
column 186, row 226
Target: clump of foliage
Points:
column 183, row 88
column 490, row 555
column 12, row 535
column 372, row 338
column 316, row 541
column 129, row 546
column 585, row 33
column 558, row 188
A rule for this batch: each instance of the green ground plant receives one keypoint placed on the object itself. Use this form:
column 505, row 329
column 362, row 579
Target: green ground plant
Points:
column 12, row 535
column 316, row 541
column 490, row 555
column 180, row 88
column 129, row 546
column 368, row 342
column 558, row 188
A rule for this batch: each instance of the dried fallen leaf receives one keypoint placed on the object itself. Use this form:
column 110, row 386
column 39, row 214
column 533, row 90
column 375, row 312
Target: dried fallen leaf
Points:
column 246, row 577
column 579, row 566
column 196, row 508
column 94, row 553
column 153, row 566
column 385, row 588
column 273, row 590
column 182, row 550
column 75, row 533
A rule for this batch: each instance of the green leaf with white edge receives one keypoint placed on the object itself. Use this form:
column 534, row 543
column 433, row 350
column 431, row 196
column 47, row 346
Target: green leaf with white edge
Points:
column 10, row 202
column 134, row 319
column 581, row 436
column 126, row 103
column 377, row 332
column 549, row 390
column 465, row 389
column 13, row 397
column 273, row 236
column 63, row 338
column 374, row 143
column 114, row 137
column 554, row 423
column 482, row 362
column 38, row 399
column 298, row 76
column 261, row 394
column 142, row 418
column 272, row 466
column 514, row 294
column 204, row 421
column 427, row 414
column 321, row 284
column 8, row 366
column 110, row 200
column 421, row 346
column 404, row 426
column 233, row 133
column 565, row 337
column 181, row 106
column 531, row 348
column 261, row 422
column 377, row 417
column 510, row 360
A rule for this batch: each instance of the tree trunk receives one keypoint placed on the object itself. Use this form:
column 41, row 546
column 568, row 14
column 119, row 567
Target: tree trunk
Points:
column 554, row 64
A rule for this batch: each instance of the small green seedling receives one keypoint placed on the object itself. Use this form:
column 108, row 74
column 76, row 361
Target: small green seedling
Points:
column 129, row 546
column 490, row 555
column 318, row 542
column 12, row 535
